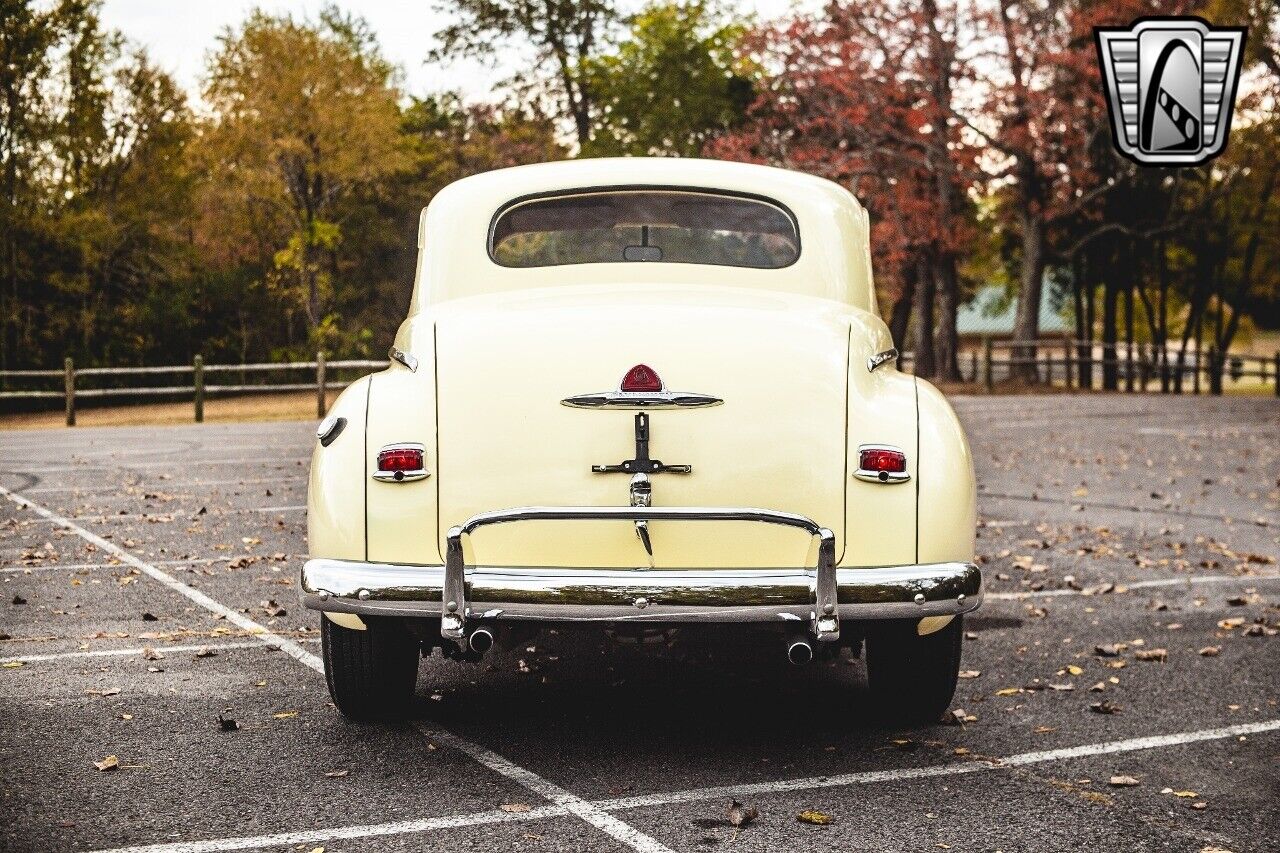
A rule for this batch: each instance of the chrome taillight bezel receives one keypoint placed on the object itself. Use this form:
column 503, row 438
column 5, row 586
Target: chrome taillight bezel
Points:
column 883, row 477
column 402, row 476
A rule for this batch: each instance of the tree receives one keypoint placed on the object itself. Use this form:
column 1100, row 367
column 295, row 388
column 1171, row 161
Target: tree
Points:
column 564, row 34
column 676, row 80
column 305, row 116
column 860, row 98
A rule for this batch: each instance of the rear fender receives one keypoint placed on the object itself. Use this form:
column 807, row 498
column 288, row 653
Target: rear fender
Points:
column 948, row 496
column 335, row 494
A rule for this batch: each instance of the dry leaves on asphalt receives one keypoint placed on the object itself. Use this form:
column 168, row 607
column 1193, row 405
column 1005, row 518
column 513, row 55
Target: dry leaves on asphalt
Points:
column 227, row 724
column 515, row 808
column 1105, row 707
column 1123, row 782
column 108, row 764
column 271, row 608
column 1157, row 655
column 149, row 653
column 814, row 817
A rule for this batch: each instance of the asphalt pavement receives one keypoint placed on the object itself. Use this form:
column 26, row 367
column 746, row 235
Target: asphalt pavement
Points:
column 149, row 613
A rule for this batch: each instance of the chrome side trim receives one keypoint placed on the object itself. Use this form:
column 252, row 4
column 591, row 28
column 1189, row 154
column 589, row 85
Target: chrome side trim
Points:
column 880, row 358
column 403, row 476
column 404, row 358
column 884, row 477
column 821, row 602
column 641, row 400
column 728, row 595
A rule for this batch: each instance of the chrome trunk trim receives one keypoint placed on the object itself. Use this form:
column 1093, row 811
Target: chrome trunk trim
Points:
column 641, row 400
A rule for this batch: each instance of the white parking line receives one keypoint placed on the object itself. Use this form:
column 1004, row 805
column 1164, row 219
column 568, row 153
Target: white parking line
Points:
column 608, row 824
column 219, row 845
column 1151, row 584
column 144, row 516
column 592, row 814
column 52, row 567
column 315, row 836
column 124, row 653
column 168, row 484
column 1017, row 760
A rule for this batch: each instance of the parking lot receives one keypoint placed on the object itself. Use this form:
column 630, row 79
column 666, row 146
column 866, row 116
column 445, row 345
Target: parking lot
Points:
column 150, row 613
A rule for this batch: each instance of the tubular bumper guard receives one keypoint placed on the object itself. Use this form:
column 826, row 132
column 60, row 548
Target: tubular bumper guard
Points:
column 821, row 596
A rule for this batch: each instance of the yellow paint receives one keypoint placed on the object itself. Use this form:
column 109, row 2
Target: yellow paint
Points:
column 335, row 493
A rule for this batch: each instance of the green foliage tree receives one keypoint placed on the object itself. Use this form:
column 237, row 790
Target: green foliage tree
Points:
column 565, row 36
column 305, row 116
column 676, row 80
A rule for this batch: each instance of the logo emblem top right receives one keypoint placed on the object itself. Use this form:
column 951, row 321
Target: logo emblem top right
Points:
column 1171, row 88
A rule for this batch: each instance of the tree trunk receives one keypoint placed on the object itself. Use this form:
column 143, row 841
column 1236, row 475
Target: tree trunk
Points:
column 1110, row 305
column 947, row 340
column 1026, row 326
column 922, row 321
column 900, row 315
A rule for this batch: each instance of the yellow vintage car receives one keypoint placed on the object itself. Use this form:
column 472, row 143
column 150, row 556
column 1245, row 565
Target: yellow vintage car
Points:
column 642, row 395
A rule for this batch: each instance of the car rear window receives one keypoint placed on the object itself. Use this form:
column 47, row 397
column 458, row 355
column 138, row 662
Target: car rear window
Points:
column 645, row 226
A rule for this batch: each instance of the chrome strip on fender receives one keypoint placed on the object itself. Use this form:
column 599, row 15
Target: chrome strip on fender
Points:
column 880, row 358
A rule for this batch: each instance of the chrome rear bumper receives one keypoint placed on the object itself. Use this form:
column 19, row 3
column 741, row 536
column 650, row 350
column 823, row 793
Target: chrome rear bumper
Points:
column 819, row 596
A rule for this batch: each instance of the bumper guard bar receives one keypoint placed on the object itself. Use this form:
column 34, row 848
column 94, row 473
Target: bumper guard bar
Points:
column 824, row 618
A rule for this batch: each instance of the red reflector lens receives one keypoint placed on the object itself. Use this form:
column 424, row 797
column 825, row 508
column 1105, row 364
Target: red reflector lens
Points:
column 400, row 459
column 890, row 461
column 642, row 377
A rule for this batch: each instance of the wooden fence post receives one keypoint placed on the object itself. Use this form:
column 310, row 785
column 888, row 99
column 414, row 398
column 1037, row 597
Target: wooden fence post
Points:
column 69, row 374
column 197, row 365
column 987, row 376
column 321, row 402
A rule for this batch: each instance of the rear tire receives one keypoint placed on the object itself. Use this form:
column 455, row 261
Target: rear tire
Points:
column 913, row 678
column 372, row 673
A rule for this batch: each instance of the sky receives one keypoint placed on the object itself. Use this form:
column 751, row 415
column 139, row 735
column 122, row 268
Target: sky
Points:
column 178, row 33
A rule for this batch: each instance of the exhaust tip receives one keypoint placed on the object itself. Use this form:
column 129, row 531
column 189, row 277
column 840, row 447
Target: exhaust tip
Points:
column 800, row 652
column 480, row 640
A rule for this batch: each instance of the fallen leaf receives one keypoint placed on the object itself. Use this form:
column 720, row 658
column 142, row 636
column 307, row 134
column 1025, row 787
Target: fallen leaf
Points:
column 337, row 774
column 149, row 653
column 968, row 673
column 108, row 764
column 740, row 815
column 150, row 617
column 1044, row 730
column 515, row 808
column 1075, row 670
column 284, row 715
column 110, row 691
column 17, row 599
column 1199, row 806
column 271, row 608
column 206, row 652
column 1098, row 688
column 1233, row 622
column 1104, row 707
column 1008, row 691
column 13, row 664
column 227, row 724
column 1158, row 655
column 1211, row 651
column 1062, row 687
column 1109, row 650
column 815, row 817
column 1189, row 795
column 1123, row 782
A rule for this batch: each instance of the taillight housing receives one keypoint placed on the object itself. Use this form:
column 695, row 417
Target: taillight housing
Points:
column 882, row 463
column 398, row 463
column 641, row 379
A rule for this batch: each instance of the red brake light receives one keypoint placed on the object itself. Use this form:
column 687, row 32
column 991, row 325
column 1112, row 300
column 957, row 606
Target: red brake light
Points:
column 642, row 377
column 400, row 459
column 880, row 459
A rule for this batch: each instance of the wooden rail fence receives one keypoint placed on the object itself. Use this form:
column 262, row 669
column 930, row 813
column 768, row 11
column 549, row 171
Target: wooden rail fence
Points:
column 1062, row 363
column 198, row 390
